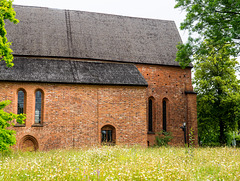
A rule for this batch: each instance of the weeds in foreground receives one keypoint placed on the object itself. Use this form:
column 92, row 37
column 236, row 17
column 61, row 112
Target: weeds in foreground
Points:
column 163, row 138
column 190, row 147
column 123, row 163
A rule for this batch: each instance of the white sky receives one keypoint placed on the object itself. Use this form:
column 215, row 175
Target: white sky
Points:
column 157, row 9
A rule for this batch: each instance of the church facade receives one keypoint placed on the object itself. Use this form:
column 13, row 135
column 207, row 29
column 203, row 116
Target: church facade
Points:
column 87, row 79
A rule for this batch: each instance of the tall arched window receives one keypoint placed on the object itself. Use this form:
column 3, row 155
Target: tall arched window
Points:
column 150, row 115
column 21, row 102
column 164, row 115
column 38, row 106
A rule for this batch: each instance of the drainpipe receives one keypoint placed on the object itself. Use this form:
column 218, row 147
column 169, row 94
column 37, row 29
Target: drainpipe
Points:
column 184, row 128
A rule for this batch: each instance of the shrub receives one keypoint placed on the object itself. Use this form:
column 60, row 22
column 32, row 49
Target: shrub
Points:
column 163, row 138
column 7, row 137
column 237, row 140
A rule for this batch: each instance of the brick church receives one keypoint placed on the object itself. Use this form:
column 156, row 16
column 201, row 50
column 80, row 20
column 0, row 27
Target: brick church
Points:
column 85, row 79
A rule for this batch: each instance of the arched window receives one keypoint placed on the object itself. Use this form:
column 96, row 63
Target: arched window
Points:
column 150, row 115
column 38, row 106
column 164, row 115
column 108, row 135
column 21, row 107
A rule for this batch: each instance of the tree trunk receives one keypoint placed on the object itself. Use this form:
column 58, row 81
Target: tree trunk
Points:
column 222, row 136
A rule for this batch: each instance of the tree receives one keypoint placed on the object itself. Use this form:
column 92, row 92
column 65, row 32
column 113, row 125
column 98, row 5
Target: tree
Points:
column 214, row 39
column 6, row 12
column 218, row 93
column 7, row 137
column 215, row 20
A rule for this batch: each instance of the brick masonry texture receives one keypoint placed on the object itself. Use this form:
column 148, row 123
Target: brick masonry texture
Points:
column 77, row 102
column 170, row 83
column 73, row 114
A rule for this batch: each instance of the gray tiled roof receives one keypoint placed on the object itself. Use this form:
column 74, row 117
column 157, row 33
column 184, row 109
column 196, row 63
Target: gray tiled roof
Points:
column 63, row 33
column 66, row 71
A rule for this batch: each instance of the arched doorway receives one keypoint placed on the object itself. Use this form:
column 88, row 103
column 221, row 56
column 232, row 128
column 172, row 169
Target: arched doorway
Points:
column 108, row 135
column 28, row 143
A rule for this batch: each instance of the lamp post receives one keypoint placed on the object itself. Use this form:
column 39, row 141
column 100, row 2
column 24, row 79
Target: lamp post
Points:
column 184, row 128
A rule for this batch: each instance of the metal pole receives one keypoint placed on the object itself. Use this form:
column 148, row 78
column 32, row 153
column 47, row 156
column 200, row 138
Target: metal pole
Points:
column 184, row 128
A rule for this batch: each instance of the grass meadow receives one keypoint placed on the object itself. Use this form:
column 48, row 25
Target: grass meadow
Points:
column 123, row 163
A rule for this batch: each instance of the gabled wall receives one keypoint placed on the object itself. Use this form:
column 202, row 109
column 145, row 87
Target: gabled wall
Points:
column 170, row 83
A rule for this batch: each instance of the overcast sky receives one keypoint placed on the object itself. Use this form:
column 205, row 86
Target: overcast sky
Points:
column 157, row 9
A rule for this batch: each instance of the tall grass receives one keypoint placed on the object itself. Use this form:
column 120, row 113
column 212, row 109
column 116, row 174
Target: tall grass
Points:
column 123, row 163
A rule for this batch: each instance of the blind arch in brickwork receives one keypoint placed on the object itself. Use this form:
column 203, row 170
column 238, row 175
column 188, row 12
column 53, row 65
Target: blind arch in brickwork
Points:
column 28, row 143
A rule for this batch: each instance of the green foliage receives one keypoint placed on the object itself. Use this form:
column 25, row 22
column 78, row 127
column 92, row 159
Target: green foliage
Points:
column 214, row 31
column 6, row 12
column 218, row 94
column 163, row 138
column 190, row 147
column 238, row 140
column 233, row 139
column 216, row 20
column 7, row 137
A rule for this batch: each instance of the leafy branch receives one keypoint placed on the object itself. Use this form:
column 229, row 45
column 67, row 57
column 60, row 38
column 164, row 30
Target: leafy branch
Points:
column 6, row 12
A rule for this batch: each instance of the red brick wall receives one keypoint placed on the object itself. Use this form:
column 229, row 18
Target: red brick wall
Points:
column 74, row 114
column 165, row 82
column 192, row 116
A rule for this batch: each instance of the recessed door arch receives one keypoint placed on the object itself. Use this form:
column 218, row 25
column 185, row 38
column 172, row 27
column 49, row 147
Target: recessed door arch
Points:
column 28, row 143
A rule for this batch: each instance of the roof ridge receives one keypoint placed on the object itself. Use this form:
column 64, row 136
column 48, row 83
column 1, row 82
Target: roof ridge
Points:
column 48, row 32
column 101, row 13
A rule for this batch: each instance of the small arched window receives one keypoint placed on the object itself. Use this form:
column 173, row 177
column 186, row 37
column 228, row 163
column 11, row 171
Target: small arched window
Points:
column 150, row 115
column 164, row 115
column 21, row 107
column 108, row 135
column 38, row 106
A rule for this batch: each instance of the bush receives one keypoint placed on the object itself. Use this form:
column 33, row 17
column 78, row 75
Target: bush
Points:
column 237, row 140
column 7, row 137
column 231, row 137
column 163, row 138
